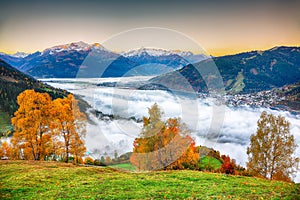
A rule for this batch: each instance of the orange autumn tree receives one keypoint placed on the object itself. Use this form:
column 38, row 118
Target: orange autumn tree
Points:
column 5, row 151
column 46, row 129
column 69, row 126
column 163, row 145
column 31, row 124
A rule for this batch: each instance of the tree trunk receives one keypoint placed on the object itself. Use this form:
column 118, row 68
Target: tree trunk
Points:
column 32, row 150
column 67, row 154
column 40, row 146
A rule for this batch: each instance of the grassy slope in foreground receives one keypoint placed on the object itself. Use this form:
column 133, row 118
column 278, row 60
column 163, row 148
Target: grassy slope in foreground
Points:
column 53, row 180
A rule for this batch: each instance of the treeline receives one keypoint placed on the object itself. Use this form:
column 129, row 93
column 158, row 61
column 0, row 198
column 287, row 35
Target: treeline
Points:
column 107, row 160
column 210, row 160
column 46, row 129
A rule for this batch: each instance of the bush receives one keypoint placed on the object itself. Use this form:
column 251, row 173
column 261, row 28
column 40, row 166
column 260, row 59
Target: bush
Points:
column 98, row 162
column 89, row 161
column 80, row 160
column 246, row 173
column 281, row 176
column 71, row 159
column 228, row 165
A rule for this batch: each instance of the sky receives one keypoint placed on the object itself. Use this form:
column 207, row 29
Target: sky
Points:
column 219, row 27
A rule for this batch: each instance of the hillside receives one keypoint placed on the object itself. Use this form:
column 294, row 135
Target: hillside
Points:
column 53, row 180
column 12, row 83
column 243, row 73
column 290, row 96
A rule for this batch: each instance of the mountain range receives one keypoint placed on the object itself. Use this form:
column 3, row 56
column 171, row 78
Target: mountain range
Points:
column 246, row 72
column 93, row 60
column 241, row 73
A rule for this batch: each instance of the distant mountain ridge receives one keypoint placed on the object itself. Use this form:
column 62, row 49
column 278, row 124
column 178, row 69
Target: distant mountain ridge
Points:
column 20, row 55
column 65, row 61
column 186, row 55
column 242, row 73
column 151, row 61
column 246, row 72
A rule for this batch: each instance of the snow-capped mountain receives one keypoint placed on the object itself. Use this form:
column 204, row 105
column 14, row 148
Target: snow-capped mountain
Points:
column 11, row 60
column 74, row 46
column 19, row 55
column 147, row 51
column 188, row 55
column 159, row 61
column 65, row 61
column 15, row 55
column 69, row 61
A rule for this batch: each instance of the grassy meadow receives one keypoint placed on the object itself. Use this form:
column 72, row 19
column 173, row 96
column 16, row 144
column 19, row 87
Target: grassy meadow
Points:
column 54, row 180
column 209, row 162
column 124, row 166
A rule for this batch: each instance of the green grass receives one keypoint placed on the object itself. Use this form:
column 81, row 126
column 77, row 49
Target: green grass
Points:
column 53, row 180
column 124, row 166
column 210, row 162
column 239, row 84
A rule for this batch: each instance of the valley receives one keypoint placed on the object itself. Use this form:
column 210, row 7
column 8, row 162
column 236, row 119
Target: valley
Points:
column 219, row 117
column 149, row 99
column 126, row 103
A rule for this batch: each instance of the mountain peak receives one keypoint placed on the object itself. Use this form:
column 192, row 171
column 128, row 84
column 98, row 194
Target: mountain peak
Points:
column 72, row 46
column 78, row 44
column 75, row 46
column 19, row 55
column 155, row 52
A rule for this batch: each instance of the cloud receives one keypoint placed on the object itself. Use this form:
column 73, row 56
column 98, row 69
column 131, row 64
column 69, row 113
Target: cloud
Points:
column 232, row 139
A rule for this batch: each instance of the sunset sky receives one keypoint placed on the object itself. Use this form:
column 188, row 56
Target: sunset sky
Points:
column 220, row 27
